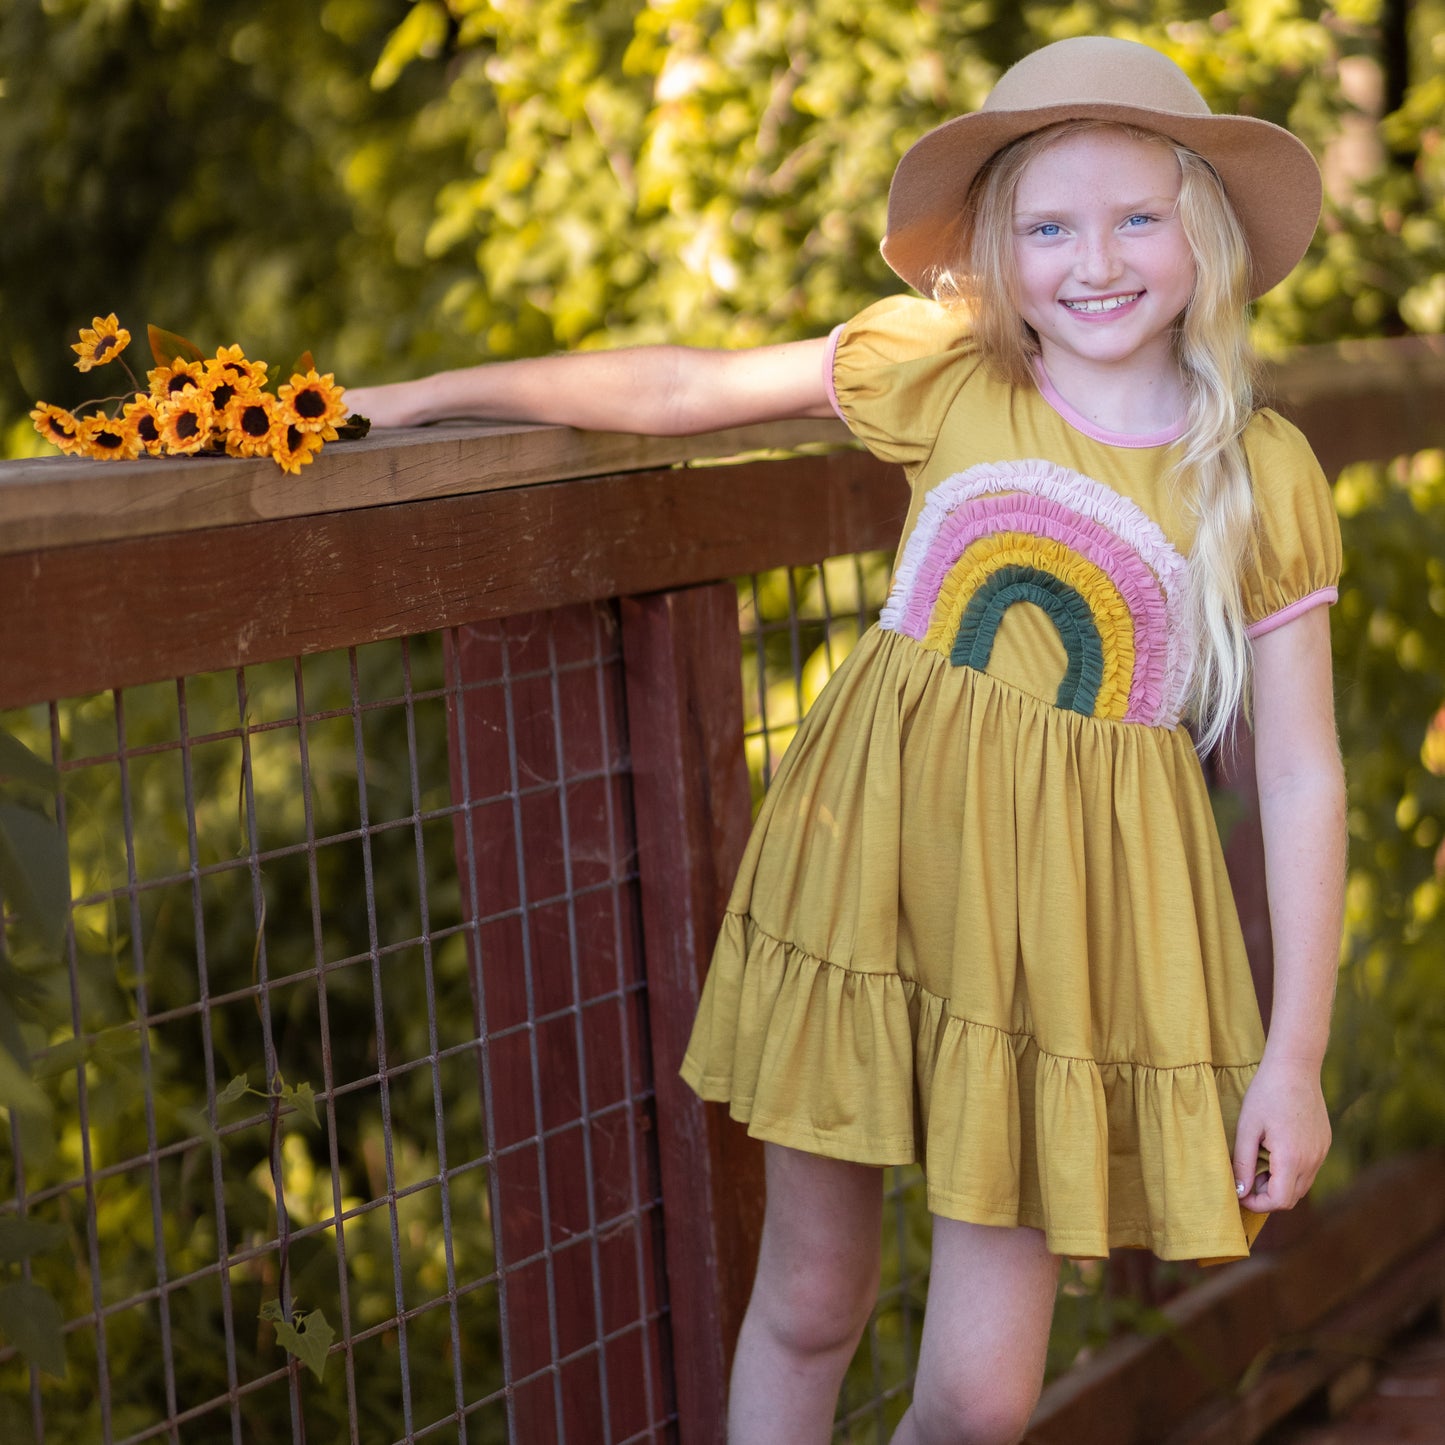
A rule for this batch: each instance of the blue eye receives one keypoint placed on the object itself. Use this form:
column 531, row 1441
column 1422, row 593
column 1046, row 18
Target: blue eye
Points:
column 1140, row 220
column 1048, row 228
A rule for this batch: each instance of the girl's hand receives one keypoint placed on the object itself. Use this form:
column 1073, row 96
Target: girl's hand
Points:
column 382, row 405
column 1283, row 1112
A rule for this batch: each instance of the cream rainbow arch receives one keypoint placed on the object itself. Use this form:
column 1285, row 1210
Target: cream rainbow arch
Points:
column 1096, row 564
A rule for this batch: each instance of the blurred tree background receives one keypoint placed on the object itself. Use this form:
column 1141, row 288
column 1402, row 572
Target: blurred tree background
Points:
column 401, row 186
column 404, row 186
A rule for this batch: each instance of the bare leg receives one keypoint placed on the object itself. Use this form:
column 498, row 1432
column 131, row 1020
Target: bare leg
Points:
column 985, row 1336
column 816, row 1284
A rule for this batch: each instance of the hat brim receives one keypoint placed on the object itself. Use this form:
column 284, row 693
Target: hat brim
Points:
column 1269, row 175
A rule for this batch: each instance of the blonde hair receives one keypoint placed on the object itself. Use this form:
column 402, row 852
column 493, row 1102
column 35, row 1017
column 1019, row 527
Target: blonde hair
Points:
column 1215, row 359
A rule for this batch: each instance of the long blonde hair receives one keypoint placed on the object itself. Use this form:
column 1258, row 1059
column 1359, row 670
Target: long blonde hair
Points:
column 1211, row 346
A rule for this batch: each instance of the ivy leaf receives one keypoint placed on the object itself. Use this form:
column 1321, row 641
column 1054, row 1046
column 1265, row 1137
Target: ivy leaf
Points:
column 353, row 428
column 308, row 1339
column 166, row 346
column 20, row 1238
column 34, row 870
column 301, row 1097
column 18, row 762
column 31, row 1320
column 234, row 1090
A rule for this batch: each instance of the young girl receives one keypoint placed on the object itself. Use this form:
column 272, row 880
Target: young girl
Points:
column 983, row 922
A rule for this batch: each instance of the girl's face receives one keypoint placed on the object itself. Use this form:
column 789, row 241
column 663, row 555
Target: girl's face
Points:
column 1101, row 262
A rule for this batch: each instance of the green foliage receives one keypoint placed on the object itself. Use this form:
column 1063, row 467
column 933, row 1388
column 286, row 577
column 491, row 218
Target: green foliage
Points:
column 408, row 186
column 1386, row 1070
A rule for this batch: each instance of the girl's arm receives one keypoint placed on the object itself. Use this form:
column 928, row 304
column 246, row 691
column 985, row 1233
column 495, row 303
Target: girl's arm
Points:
column 650, row 390
column 1302, row 813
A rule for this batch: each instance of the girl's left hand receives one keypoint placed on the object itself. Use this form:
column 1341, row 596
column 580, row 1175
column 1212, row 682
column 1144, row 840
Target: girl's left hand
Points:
column 1283, row 1112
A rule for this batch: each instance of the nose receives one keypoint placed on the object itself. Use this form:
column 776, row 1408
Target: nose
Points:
column 1097, row 260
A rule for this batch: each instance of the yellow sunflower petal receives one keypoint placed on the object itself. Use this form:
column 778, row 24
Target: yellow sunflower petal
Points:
column 313, row 403
column 181, row 375
column 110, row 439
column 249, row 422
column 241, row 368
column 186, row 421
column 292, row 448
column 144, row 415
column 57, row 426
column 103, row 340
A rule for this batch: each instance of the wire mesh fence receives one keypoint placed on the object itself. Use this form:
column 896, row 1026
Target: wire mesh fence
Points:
column 340, row 1124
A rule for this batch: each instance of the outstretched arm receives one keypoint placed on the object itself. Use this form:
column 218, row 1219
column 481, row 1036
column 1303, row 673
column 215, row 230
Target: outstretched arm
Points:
column 1302, row 813
column 652, row 390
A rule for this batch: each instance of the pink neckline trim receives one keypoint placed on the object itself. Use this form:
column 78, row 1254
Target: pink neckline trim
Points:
column 1101, row 434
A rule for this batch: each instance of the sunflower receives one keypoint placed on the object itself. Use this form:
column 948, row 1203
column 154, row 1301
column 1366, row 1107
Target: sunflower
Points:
column 248, row 422
column 110, row 438
column 103, row 340
column 291, row 447
column 222, row 385
column 186, row 420
column 314, row 403
column 181, row 375
column 143, row 414
column 57, row 426
column 243, row 371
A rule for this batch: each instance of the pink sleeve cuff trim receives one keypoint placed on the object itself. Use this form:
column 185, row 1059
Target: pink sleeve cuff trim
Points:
column 1288, row 614
column 828, row 357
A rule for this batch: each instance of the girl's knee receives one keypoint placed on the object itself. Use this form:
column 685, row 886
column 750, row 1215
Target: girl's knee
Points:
column 818, row 1305
column 973, row 1410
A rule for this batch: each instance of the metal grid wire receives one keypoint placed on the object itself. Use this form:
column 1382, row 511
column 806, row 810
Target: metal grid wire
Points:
column 798, row 624
column 348, row 1029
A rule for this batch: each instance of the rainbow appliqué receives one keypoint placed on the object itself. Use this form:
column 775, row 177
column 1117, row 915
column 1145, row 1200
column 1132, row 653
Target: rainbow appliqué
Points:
column 1099, row 567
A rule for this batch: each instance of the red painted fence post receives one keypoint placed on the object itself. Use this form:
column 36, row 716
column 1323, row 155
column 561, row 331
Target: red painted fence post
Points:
column 682, row 661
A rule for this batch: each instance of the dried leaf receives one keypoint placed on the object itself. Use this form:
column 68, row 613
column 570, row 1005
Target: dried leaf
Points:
column 166, row 346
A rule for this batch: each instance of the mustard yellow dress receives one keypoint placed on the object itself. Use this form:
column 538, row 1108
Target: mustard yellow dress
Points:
column 983, row 922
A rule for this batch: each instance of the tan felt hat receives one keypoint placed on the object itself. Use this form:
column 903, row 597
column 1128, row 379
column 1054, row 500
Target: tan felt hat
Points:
column 1269, row 175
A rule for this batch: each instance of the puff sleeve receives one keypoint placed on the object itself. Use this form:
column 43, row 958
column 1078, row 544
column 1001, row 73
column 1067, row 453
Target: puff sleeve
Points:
column 894, row 371
column 1296, row 562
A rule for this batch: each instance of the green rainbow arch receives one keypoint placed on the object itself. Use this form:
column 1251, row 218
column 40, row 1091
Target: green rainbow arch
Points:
column 1066, row 608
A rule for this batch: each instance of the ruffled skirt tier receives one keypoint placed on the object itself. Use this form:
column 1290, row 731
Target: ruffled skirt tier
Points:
column 995, row 937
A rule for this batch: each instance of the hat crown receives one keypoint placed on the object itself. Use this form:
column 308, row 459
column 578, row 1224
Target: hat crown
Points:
column 1096, row 70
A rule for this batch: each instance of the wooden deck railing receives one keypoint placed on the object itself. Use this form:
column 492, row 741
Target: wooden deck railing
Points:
column 118, row 575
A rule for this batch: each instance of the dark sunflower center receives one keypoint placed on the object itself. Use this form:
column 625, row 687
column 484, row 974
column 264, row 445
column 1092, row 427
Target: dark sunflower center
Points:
column 109, row 440
column 179, row 383
column 293, row 438
column 310, row 404
column 106, row 343
column 59, row 427
column 147, row 429
column 223, row 394
column 187, row 426
column 255, row 422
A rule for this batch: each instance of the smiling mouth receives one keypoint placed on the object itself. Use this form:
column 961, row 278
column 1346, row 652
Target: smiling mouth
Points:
column 1095, row 305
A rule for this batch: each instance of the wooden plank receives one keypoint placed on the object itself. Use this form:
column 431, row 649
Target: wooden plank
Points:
column 690, row 783
column 1137, row 1389
column 1359, row 1332
column 61, row 501
column 1364, row 400
column 117, row 614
